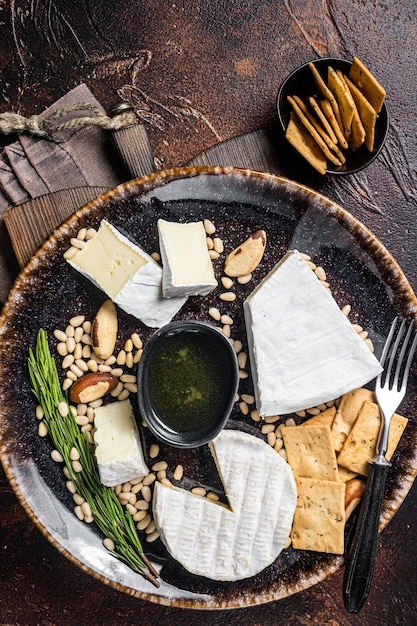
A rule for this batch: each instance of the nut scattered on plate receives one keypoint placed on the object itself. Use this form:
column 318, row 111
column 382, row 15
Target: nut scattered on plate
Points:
column 339, row 118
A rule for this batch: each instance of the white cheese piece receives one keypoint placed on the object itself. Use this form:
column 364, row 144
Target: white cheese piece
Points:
column 303, row 350
column 118, row 448
column 221, row 543
column 187, row 267
column 128, row 275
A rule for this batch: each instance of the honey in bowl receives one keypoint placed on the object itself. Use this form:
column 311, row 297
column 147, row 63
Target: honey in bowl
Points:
column 187, row 381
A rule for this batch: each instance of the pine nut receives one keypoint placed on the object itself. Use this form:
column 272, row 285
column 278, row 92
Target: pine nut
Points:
column 290, row 422
column 152, row 537
column 242, row 360
column 146, row 493
column 153, row 450
column 92, row 365
column 139, row 515
column 149, row 479
column 142, row 524
column 137, row 356
column 70, row 253
column 243, row 408
column 215, row 314
column 156, row 256
column 85, row 507
column 150, row 528
column 209, row 243
column 91, row 232
column 60, row 335
column 70, row 331
column 178, row 472
column 40, row 414
column 218, row 245
column 117, row 390
column 77, row 243
column 142, row 505
column 63, row 409
column 57, row 456
column 159, row 465
column 227, row 320
column 237, row 346
column 271, row 419
column 244, row 280
column 198, row 491
column 62, row 348
column 77, row 467
column 228, row 296
column 42, row 429
column 320, row 273
column 78, row 512
column 213, row 255
column 78, row 499
column 255, row 415
column 66, row 384
column 77, row 320
column 226, row 331
column 227, row 282
column 121, row 358
column 123, row 395
column 74, row 455
column 209, row 227
column 109, row 544
column 128, row 345
column 137, row 341
column 213, row 496
column 346, row 309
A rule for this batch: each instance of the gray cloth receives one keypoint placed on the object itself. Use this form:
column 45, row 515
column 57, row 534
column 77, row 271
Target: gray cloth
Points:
column 32, row 166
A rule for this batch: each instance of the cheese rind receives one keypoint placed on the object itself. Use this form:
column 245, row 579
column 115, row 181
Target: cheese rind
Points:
column 118, row 448
column 303, row 350
column 127, row 274
column 211, row 540
column 187, row 267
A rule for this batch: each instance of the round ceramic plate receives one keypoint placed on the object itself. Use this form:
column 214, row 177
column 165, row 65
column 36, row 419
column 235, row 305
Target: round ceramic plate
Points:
column 49, row 292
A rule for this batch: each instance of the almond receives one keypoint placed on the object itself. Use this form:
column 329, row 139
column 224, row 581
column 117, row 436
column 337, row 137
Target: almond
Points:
column 92, row 387
column 246, row 257
column 104, row 330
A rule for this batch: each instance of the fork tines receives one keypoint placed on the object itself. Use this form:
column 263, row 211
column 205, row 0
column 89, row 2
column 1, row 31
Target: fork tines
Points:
column 396, row 363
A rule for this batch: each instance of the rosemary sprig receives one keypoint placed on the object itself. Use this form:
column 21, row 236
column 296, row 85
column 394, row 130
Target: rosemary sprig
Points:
column 109, row 515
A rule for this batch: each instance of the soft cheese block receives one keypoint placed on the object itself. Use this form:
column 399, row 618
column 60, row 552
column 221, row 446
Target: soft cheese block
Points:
column 118, row 447
column 221, row 543
column 303, row 350
column 187, row 267
column 128, row 275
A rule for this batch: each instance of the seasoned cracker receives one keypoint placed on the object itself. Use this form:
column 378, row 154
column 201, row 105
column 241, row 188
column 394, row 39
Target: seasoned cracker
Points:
column 343, row 99
column 303, row 142
column 367, row 83
column 358, row 134
column 366, row 112
column 325, row 418
column 328, row 111
column 316, row 136
column 319, row 517
column 323, row 119
column 360, row 445
column 347, row 412
column 310, row 451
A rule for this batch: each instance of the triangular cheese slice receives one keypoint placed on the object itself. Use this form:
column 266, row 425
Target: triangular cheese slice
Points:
column 303, row 350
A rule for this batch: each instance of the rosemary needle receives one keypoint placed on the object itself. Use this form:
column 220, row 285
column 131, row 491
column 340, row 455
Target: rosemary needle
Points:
column 108, row 513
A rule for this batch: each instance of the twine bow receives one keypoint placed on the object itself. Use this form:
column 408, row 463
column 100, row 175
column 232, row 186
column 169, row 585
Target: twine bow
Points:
column 47, row 126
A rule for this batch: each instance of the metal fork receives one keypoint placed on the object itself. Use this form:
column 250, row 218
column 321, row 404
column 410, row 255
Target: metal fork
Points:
column 390, row 389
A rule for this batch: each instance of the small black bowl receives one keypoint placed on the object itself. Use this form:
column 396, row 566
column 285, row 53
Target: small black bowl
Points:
column 187, row 383
column 301, row 83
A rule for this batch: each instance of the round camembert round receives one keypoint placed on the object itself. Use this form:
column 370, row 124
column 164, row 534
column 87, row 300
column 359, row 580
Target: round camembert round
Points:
column 212, row 540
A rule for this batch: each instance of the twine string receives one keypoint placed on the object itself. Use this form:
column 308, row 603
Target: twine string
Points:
column 56, row 121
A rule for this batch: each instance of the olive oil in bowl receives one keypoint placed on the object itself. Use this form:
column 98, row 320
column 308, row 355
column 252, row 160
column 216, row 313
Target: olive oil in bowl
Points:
column 187, row 379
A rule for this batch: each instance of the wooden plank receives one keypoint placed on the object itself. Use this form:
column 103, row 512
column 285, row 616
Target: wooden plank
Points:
column 30, row 223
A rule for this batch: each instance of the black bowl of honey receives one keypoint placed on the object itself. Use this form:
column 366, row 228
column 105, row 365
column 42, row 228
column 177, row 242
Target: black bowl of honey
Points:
column 188, row 378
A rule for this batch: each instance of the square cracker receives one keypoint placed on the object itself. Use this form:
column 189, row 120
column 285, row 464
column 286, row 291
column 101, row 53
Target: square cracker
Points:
column 347, row 412
column 310, row 451
column 366, row 112
column 360, row 445
column 319, row 518
column 328, row 111
column 343, row 99
column 367, row 83
column 299, row 137
column 358, row 134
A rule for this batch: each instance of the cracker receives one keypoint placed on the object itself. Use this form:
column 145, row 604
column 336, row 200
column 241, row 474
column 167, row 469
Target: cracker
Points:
column 347, row 412
column 316, row 136
column 358, row 134
column 319, row 517
column 343, row 99
column 323, row 119
column 310, row 451
column 360, row 445
column 326, row 93
column 345, row 475
column 328, row 111
column 303, row 142
column 366, row 112
column 367, row 83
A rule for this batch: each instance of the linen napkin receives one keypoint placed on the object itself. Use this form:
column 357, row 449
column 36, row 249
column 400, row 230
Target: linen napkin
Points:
column 33, row 166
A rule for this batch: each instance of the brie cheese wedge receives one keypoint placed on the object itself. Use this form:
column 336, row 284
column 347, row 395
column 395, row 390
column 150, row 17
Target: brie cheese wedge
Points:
column 212, row 540
column 127, row 274
column 303, row 350
column 118, row 448
column 187, row 267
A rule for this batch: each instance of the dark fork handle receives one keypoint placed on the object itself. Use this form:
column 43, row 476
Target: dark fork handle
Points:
column 360, row 564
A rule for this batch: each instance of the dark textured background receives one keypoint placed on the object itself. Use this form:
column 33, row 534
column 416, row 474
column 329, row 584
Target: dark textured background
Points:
column 199, row 73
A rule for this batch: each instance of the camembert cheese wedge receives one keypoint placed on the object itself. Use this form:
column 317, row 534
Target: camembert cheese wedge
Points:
column 187, row 267
column 118, row 448
column 303, row 350
column 127, row 274
column 222, row 543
